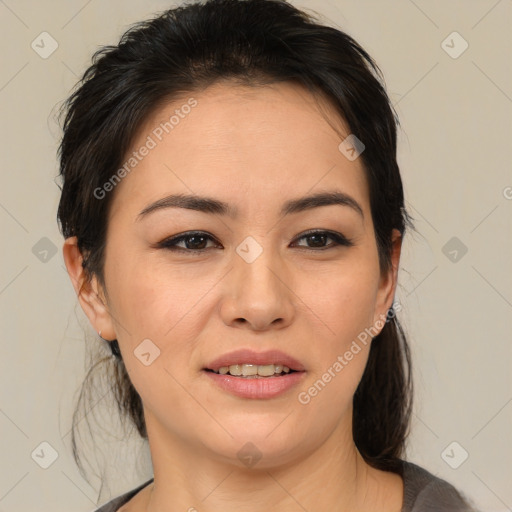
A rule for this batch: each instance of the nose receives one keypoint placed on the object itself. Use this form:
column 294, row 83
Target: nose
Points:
column 258, row 295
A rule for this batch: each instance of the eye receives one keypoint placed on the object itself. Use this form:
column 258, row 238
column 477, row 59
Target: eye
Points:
column 194, row 241
column 319, row 237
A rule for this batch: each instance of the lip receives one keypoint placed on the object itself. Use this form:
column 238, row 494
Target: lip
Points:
column 262, row 388
column 249, row 356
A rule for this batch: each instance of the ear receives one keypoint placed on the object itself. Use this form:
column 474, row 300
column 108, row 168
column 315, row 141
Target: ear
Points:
column 387, row 283
column 89, row 292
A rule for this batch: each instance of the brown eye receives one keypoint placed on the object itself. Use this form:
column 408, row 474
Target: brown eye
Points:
column 317, row 239
column 193, row 242
column 196, row 241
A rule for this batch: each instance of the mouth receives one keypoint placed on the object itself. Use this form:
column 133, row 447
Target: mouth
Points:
column 255, row 375
column 253, row 371
column 248, row 363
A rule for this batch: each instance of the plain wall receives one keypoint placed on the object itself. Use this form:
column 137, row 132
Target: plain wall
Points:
column 454, row 153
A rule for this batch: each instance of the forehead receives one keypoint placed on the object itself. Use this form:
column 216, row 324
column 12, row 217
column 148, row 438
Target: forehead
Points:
column 234, row 141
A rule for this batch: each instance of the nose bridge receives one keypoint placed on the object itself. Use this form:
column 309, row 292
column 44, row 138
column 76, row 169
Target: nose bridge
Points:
column 257, row 291
column 257, row 267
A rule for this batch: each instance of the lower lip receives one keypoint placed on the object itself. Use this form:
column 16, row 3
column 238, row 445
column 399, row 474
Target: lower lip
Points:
column 266, row 387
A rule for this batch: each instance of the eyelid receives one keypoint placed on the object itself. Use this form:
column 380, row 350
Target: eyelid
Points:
column 340, row 240
column 175, row 239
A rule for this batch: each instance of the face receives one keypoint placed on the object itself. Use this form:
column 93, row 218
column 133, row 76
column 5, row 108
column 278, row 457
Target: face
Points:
column 185, row 286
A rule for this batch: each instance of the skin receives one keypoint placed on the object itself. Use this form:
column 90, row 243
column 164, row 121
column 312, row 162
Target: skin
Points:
column 253, row 148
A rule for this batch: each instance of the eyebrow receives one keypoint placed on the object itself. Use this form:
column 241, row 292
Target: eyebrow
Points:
column 216, row 207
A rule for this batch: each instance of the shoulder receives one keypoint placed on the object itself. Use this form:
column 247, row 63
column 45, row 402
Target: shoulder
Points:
column 425, row 492
column 116, row 503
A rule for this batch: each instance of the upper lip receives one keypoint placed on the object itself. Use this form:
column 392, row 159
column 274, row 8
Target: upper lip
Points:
column 248, row 356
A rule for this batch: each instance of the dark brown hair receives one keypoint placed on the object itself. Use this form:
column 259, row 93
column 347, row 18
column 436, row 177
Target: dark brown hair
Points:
column 248, row 42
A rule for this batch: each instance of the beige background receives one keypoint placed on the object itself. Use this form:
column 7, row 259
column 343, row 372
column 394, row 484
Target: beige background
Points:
column 455, row 161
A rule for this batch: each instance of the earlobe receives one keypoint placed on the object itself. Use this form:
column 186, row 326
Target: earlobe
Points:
column 88, row 291
column 388, row 282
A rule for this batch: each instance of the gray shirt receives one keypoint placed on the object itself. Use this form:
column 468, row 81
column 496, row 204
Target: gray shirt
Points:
column 423, row 492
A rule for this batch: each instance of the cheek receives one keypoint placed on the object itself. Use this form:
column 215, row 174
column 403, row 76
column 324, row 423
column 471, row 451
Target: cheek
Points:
column 156, row 304
column 166, row 305
column 343, row 301
column 151, row 298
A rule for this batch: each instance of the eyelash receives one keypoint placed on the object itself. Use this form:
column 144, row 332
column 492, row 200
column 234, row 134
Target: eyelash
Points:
column 171, row 243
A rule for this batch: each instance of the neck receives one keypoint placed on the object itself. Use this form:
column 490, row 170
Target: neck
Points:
column 333, row 476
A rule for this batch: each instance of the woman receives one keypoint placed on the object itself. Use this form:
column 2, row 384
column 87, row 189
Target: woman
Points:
column 233, row 215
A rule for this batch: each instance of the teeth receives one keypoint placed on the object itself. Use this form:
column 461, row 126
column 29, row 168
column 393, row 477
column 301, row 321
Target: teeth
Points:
column 235, row 369
column 250, row 370
column 266, row 370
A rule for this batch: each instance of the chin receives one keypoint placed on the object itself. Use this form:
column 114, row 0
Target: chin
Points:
column 261, row 448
